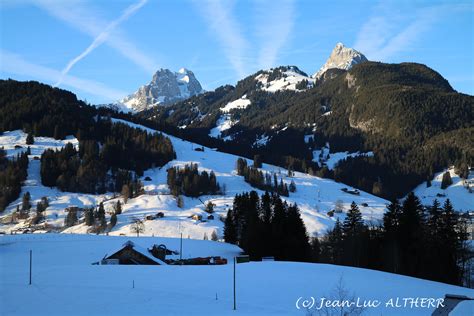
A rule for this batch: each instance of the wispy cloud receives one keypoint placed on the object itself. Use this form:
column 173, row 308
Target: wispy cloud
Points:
column 275, row 20
column 15, row 64
column 389, row 32
column 82, row 17
column 220, row 20
column 103, row 36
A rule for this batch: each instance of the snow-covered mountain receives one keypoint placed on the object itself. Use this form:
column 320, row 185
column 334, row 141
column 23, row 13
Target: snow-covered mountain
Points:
column 165, row 88
column 284, row 78
column 341, row 57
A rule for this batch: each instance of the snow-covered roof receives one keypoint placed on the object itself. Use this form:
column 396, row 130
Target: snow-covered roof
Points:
column 140, row 250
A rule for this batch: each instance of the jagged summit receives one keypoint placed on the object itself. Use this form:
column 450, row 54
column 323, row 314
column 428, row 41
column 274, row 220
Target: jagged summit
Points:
column 341, row 57
column 165, row 88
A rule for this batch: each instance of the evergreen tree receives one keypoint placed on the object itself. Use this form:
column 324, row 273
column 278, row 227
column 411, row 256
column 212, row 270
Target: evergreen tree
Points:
column 292, row 187
column 257, row 161
column 26, row 202
column 30, row 140
column 391, row 229
column 113, row 220
column 89, row 217
column 241, row 166
column 353, row 222
column 230, row 229
column 118, row 208
column 411, row 235
column 446, row 181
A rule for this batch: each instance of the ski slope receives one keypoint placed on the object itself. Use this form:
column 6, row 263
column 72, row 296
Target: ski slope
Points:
column 64, row 282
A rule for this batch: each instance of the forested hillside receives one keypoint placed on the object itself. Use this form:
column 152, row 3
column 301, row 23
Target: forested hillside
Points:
column 406, row 114
column 108, row 157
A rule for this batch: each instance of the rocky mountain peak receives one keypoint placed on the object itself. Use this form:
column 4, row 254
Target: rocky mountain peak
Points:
column 341, row 57
column 165, row 88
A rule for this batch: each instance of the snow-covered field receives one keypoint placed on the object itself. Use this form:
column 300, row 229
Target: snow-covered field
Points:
column 64, row 282
column 314, row 196
column 458, row 192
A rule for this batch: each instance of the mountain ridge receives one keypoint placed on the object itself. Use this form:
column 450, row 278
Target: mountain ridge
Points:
column 165, row 88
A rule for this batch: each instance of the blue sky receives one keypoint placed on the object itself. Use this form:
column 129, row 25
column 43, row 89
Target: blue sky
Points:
column 104, row 50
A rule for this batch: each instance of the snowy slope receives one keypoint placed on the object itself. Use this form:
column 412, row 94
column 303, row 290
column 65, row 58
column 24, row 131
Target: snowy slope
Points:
column 314, row 196
column 287, row 79
column 225, row 121
column 458, row 193
column 65, row 283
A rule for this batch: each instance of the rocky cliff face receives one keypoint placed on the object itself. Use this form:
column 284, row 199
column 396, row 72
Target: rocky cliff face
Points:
column 341, row 58
column 165, row 88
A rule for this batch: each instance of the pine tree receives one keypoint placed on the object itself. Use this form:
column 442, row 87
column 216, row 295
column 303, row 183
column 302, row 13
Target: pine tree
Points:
column 292, row 187
column 30, row 140
column 241, row 166
column 100, row 212
column 214, row 236
column 118, row 208
column 257, row 161
column 230, row 229
column 89, row 217
column 315, row 249
column 113, row 220
column 446, row 181
column 392, row 218
column 205, row 237
column 26, row 202
column 353, row 222
column 56, row 134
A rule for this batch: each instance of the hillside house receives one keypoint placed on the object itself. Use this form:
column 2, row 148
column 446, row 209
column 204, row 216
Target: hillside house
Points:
column 130, row 253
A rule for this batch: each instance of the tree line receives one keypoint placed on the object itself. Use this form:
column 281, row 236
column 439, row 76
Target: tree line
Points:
column 263, row 180
column 85, row 171
column 267, row 226
column 190, row 182
column 428, row 243
column 12, row 174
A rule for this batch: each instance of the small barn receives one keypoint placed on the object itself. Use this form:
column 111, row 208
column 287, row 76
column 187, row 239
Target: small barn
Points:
column 130, row 253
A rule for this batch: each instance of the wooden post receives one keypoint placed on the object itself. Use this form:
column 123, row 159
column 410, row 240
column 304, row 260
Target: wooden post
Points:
column 235, row 307
column 31, row 263
column 181, row 248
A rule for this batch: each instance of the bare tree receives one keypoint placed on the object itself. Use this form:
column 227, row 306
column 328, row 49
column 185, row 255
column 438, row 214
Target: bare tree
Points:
column 138, row 226
column 214, row 236
column 339, row 206
column 341, row 294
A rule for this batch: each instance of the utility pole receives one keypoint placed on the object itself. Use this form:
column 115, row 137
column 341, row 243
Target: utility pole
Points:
column 235, row 307
column 181, row 247
column 31, row 263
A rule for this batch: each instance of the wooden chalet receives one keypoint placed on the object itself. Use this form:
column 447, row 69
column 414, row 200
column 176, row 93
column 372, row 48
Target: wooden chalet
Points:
column 130, row 253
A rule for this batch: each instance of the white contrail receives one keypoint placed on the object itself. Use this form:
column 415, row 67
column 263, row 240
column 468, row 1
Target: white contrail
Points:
column 102, row 37
column 15, row 64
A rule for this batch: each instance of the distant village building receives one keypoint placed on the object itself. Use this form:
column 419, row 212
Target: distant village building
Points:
column 197, row 217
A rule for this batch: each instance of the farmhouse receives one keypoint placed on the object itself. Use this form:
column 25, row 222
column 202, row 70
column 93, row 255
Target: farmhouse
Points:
column 131, row 253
